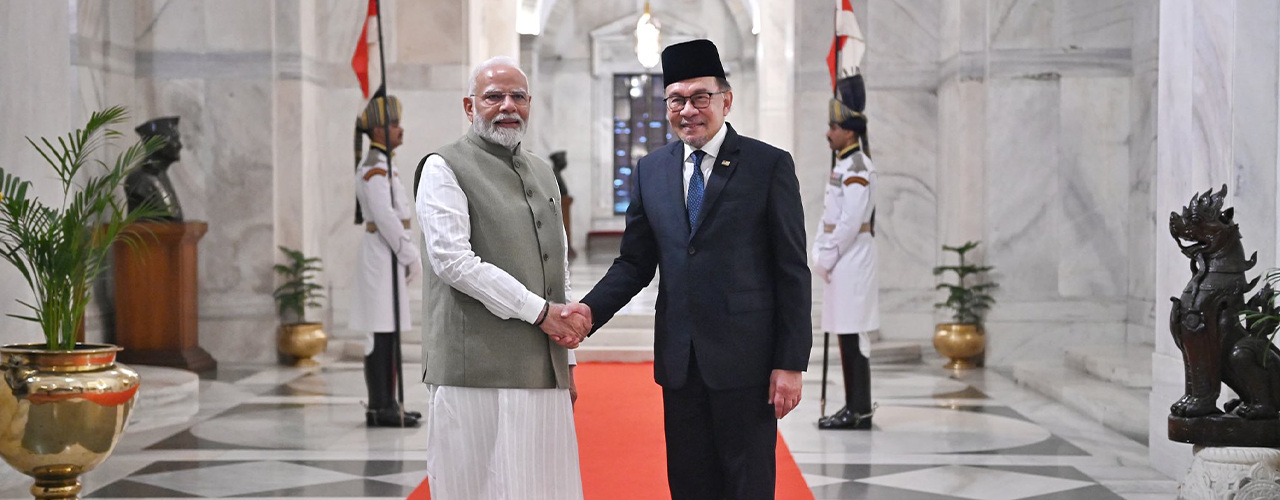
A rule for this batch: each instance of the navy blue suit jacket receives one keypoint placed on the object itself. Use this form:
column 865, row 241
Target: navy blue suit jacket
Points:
column 735, row 289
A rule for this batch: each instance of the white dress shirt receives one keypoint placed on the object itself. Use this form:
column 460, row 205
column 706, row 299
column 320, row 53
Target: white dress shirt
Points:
column 446, row 228
column 712, row 149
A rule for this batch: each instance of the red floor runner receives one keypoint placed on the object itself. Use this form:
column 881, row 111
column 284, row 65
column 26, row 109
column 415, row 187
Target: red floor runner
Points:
column 620, row 440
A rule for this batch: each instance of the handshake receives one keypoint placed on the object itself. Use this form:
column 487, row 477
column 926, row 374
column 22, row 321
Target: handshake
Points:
column 567, row 324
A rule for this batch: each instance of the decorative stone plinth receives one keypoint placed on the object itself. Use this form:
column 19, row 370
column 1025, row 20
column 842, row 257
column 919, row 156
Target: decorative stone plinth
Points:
column 168, row 396
column 1231, row 474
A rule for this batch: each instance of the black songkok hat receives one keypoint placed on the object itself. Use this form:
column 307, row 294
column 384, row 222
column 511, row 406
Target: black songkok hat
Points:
column 691, row 59
column 166, row 126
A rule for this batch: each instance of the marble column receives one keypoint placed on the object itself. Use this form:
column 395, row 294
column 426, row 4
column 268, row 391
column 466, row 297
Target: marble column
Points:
column 904, row 127
column 491, row 30
column 775, row 48
column 1143, row 219
column 1217, row 124
column 39, row 101
column 1037, row 91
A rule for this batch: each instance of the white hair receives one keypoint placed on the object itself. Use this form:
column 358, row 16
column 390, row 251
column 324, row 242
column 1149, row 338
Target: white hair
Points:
column 496, row 61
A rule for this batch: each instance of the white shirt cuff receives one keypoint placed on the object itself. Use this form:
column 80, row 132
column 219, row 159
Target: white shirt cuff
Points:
column 532, row 308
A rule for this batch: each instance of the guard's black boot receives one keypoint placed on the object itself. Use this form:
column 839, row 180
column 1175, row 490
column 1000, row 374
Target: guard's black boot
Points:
column 379, row 377
column 857, row 412
column 398, row 365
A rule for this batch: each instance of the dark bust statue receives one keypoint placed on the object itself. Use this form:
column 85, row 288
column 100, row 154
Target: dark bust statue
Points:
column 558, row 164
column 150, row 183
column 1223, row 337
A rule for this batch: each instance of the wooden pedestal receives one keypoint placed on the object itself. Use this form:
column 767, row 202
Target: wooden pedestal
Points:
column 157, row 313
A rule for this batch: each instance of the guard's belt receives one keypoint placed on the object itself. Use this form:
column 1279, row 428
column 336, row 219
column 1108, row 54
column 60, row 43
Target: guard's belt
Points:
column 373, row 228
column 867, row 227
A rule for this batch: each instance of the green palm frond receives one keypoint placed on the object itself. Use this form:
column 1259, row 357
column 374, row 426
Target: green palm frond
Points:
column 61, row 248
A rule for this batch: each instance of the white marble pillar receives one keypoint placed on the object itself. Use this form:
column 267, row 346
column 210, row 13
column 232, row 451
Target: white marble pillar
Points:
column 775, row 48
column 1176, row 180
column 1142, row 217
column 1254, row 125
column 1217, row 124
column 491, row 30
column 39, row 101
column 962, row 127
column 901, row 70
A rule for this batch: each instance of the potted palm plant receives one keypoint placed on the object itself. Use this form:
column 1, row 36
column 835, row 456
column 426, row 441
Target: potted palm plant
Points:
column 297, row 339
column 64, row 404
column 963, row 339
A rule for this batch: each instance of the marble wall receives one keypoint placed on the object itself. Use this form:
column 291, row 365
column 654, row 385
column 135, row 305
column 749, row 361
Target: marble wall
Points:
column 1042, row 157
column 40, row 101
column 1217, row 124
column 257, row 86
column 900, row 67
column 1011, row 122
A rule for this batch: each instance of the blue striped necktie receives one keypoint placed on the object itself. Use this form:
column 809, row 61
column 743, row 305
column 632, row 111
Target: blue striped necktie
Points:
column 696, row 188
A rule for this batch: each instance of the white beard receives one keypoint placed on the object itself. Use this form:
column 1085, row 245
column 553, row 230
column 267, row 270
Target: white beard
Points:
column 507, row 137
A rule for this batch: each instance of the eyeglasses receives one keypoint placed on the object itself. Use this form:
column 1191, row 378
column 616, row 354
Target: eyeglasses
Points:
column 496, row 98
column 700, row 100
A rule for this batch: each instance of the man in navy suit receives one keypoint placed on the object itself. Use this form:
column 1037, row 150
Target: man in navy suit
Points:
column 720, row 216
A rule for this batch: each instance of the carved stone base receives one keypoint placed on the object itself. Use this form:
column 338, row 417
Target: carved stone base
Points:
column 1217, row 473
column 1225, row 430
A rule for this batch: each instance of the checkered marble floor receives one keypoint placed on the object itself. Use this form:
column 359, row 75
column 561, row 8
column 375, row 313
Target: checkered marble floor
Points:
column 275, row 432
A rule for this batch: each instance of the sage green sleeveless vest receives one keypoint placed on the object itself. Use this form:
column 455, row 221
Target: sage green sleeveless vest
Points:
column 514, row 206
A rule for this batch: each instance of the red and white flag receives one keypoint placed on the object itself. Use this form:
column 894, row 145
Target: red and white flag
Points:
column 848, row 47
column 360, row 60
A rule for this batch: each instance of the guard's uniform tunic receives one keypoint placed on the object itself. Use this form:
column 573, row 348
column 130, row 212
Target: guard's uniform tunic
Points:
column 845, row 247
column 385, row 231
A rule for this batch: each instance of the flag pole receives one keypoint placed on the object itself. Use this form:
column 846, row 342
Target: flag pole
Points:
column 397, row 364
column 826, row 336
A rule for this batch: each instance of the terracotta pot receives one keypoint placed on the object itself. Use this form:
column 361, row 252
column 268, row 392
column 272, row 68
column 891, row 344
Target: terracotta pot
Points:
column 62, row 412
column 959, row 342
column 301, row 342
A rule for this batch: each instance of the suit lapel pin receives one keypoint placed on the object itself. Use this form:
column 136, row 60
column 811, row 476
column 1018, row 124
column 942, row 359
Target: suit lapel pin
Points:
column 725, row 163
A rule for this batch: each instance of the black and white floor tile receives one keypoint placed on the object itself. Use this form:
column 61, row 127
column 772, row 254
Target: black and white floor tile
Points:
column 275, row 432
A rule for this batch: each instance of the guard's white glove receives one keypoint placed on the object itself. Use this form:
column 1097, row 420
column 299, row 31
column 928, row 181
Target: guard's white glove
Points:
column 822, row 272
column 414, row 272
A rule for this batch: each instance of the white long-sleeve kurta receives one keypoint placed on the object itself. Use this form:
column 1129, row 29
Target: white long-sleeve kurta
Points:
column 446, row 229
column 371, row 305
column 515, row 444
column 851, row 301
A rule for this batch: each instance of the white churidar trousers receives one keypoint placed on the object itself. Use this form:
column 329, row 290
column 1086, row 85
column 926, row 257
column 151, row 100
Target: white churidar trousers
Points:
column 501, row 444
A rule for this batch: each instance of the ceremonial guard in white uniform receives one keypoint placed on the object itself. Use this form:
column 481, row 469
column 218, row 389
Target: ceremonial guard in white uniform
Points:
column 383, row 211
column 844, row 253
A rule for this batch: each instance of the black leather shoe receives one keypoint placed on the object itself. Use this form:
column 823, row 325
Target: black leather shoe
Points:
column 846, row 419
column 389, row 418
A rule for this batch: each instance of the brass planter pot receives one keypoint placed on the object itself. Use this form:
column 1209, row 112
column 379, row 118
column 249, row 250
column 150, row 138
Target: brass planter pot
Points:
column 960, row 343
column 62, row 412
column 301, row 342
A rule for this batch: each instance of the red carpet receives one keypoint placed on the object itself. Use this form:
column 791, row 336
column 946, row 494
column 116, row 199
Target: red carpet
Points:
column 620, row 440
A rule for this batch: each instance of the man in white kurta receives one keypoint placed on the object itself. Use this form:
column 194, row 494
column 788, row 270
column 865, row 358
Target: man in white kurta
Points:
column 383, row 211
column 489, row 437
column 844, row 254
